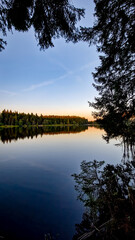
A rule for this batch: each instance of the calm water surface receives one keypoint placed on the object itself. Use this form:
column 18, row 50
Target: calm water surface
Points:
column 37, row 193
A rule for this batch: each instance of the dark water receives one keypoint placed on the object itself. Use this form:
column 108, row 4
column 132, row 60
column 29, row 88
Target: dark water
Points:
column 37, row 193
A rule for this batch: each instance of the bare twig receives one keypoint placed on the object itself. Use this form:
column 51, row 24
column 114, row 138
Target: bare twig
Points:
column 89, row 234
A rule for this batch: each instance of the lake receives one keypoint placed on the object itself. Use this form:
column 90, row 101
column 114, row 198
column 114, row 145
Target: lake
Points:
column 37, row 194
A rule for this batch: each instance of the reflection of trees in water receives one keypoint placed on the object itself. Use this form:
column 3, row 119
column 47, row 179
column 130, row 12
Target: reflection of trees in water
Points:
column 108, row 194
column 128, row 148
column 10, row 134
column 126, row 135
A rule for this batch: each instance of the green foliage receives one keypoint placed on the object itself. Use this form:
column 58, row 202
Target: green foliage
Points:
column 50, row 19
column 15, row 118
column 113, row 33
column 8, row 134
column 109, row 197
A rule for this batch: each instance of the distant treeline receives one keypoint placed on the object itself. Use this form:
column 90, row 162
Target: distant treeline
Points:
column 22, row 119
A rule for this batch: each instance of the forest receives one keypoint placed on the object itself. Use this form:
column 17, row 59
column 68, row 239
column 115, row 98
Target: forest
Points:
column 22, row 119
column 105, row 188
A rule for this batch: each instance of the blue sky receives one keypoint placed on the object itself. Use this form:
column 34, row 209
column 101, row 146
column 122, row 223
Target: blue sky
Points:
column 57, row 81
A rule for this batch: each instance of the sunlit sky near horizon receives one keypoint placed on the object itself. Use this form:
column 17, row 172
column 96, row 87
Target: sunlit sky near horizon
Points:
column 57, row 81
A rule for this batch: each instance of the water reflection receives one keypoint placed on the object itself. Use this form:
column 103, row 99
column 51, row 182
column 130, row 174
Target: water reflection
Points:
column 108, row 191
column 35, row 175
column 126, row 135
column 108, row 194
column 15, row 133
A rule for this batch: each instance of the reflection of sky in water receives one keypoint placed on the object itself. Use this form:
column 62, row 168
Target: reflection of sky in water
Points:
column 86, row 145
column 37, row 192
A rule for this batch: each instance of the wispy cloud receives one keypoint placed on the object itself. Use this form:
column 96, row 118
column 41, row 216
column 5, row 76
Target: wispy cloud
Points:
column 46, row 83
column 39, row 85
column 67, row 74
column 88, row 65
column 64, row 76
column 60, row 64
column 50, row 82
column 9, row 93
column 84, row 67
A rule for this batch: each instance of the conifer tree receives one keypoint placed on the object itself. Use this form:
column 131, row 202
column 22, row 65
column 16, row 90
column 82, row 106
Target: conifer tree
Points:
column 113, row 33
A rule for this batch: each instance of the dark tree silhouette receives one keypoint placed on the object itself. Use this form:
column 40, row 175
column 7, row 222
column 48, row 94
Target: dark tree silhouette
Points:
column 14, row 134
column 108, row 194
column 23, row 119
column 126, row 135
column 113, row 33
column 49, row 18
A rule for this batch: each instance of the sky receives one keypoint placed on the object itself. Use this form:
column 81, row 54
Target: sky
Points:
column 57, row 81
